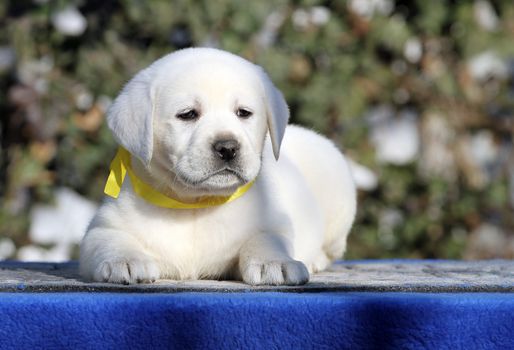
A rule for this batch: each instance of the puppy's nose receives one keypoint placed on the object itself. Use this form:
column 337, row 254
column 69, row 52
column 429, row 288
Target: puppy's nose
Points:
column 226, row 149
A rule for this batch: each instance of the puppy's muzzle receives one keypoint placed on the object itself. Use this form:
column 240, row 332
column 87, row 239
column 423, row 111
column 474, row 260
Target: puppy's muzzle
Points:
column 226, row 149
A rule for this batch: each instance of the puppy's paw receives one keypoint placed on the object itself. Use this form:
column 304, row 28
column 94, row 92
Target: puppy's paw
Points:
column 287, row 272
column 320, row 263
column 127, row 271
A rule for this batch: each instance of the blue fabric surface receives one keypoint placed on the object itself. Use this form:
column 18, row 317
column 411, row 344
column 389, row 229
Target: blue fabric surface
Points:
column 257, row 321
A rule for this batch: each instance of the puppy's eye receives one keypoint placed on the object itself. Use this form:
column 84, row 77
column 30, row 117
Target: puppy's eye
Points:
column 189, row 114
column 243, row 113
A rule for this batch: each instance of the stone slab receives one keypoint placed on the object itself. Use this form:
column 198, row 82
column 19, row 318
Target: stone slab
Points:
column 356, row 276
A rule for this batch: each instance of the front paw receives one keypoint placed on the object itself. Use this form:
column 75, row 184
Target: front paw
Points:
column 276, row 272
column 127, row 271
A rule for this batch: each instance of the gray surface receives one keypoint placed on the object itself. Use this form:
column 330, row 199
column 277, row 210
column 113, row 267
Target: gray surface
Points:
column 377, row 276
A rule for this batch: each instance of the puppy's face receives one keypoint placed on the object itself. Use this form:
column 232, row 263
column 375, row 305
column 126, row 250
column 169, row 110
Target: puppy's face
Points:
column 209, row 127
column 197, row 120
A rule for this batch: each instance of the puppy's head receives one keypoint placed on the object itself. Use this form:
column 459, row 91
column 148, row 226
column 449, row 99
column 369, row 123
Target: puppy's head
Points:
column 197, row 119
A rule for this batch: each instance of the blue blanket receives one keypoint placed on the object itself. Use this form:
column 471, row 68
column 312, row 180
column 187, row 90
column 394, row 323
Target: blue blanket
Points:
column 263, row 320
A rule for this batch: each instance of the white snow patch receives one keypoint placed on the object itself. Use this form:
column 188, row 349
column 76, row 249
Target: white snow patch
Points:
column 69, row 21
column 84, row 100
column 413, row 50
column 396, row 139
column 269, row 31
column 367, row 8
column 483, row 148
column 314, row 16
column 319, row 15
column 485, row 15
column 64, row 223
column 7, row 248
column 487, row 65
column 364, row 178
column 58, row 253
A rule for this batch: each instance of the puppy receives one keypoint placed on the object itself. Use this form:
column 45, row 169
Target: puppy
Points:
column 203, row 129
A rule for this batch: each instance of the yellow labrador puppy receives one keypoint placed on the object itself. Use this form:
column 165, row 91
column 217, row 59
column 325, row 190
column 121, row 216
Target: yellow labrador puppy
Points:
column 200, row 190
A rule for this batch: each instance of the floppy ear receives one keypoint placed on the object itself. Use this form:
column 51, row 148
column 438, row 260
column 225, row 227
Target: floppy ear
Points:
column 130, row 117
column 277, row 114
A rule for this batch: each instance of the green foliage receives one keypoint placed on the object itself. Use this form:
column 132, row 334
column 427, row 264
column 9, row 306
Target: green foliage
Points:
column 334, row 65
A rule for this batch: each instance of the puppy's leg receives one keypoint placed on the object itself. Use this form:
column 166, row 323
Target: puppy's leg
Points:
column 264, row 259
column 108, row 255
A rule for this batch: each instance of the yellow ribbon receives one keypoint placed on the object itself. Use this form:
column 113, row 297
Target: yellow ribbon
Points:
column 121, row 165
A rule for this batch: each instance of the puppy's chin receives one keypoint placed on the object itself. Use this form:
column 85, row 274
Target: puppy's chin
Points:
column 219, row 184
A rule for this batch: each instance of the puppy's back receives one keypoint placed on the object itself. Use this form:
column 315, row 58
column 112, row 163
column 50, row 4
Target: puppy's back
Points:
column 328, row 175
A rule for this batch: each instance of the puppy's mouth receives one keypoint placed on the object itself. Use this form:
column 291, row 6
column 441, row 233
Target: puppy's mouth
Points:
column 228, row 172
column 222, row 178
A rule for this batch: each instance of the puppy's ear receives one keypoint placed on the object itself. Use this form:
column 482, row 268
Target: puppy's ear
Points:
column 130, row 117
column 277, row 114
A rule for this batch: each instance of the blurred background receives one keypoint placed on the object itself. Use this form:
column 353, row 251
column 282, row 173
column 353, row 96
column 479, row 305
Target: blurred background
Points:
column 419, row 94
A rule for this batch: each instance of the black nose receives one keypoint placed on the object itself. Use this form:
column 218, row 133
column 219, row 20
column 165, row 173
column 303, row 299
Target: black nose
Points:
column 226, row 149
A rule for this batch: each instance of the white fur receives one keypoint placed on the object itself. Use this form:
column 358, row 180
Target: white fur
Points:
column 294, row 220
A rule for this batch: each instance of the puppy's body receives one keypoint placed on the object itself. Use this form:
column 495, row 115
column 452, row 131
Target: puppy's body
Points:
column 295, row 217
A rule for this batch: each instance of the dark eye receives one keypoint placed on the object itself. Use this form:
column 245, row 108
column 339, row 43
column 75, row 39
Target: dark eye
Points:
column 189, row 114
column 243, row 113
